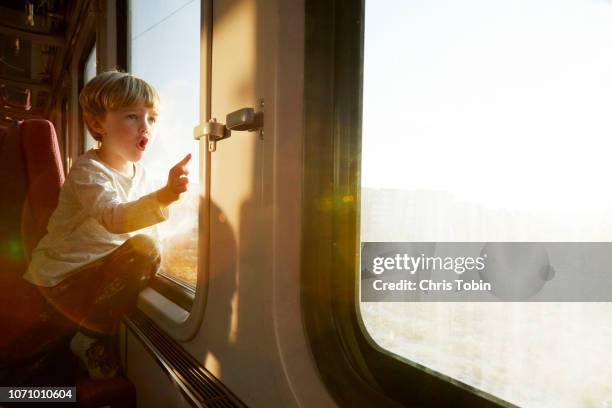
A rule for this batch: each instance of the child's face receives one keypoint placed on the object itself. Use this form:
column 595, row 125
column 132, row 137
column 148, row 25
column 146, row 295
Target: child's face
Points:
column 127, row 132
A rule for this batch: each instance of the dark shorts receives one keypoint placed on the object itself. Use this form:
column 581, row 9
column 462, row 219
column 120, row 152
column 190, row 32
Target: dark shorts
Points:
column 95, row 297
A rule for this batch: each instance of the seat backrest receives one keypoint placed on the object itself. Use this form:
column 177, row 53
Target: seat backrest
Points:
column 30, row 179
column 44, row 178
column 31, row 176
column 13, row 190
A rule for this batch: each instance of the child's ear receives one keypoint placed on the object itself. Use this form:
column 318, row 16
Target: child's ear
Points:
column 95, row 124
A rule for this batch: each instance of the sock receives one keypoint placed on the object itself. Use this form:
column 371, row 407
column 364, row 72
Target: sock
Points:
column 96, row 354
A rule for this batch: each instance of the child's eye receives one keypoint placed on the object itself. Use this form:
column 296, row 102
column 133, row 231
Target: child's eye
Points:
column 152, row 119
column 132, row 116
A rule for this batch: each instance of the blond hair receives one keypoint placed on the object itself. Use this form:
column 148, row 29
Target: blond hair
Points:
column 111, row 91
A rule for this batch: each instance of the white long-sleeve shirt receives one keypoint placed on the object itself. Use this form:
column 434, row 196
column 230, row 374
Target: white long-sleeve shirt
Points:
column 98, row 210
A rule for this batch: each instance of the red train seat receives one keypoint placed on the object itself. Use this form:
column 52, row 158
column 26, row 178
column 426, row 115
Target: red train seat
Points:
column 31, row 176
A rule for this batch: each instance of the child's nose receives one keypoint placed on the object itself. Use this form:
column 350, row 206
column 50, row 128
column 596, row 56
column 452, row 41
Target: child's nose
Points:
column 145, row 127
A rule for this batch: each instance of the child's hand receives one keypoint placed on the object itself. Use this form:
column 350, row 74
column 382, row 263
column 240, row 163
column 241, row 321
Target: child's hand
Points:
column 177, row 176
column 177, row 182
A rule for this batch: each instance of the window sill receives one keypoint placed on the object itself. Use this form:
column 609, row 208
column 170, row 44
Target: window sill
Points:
column 180, row 322
column 176, row 291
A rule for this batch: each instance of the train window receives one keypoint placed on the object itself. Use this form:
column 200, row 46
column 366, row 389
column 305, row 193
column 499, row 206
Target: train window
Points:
column 489, row 121
column 89, row 71
column 164, row 49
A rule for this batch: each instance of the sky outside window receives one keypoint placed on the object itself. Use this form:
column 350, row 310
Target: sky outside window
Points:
column 500, row 104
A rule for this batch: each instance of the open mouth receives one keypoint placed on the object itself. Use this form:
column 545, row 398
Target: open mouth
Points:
column 143, row 143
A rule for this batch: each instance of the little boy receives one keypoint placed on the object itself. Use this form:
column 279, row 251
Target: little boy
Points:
column 98, row 252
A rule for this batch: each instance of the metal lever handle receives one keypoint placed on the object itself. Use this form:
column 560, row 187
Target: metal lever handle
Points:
column 213, row 131
column 242, row 119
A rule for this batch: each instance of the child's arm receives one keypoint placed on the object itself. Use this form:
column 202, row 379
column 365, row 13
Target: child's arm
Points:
column 101, row 201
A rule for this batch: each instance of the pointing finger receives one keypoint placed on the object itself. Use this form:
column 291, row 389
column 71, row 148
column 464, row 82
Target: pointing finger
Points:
column 185, row 160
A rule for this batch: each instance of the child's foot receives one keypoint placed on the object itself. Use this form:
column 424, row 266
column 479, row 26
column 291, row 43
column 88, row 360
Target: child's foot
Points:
column 97, row 355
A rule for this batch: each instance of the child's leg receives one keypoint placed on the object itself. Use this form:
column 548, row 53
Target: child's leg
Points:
column 99, row 293
column 122, row 276
column 96, row 297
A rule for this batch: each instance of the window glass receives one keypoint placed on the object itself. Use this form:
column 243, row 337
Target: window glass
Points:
column 89, row 71
column 165, row 51
column 490, row 121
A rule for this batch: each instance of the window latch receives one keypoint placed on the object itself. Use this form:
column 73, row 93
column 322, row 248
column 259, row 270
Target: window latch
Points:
column 242, row 119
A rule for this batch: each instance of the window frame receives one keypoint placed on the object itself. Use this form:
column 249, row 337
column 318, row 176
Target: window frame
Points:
column 361, row 373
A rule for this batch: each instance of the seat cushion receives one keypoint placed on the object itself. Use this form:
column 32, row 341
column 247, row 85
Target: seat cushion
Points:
column 30, row 326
